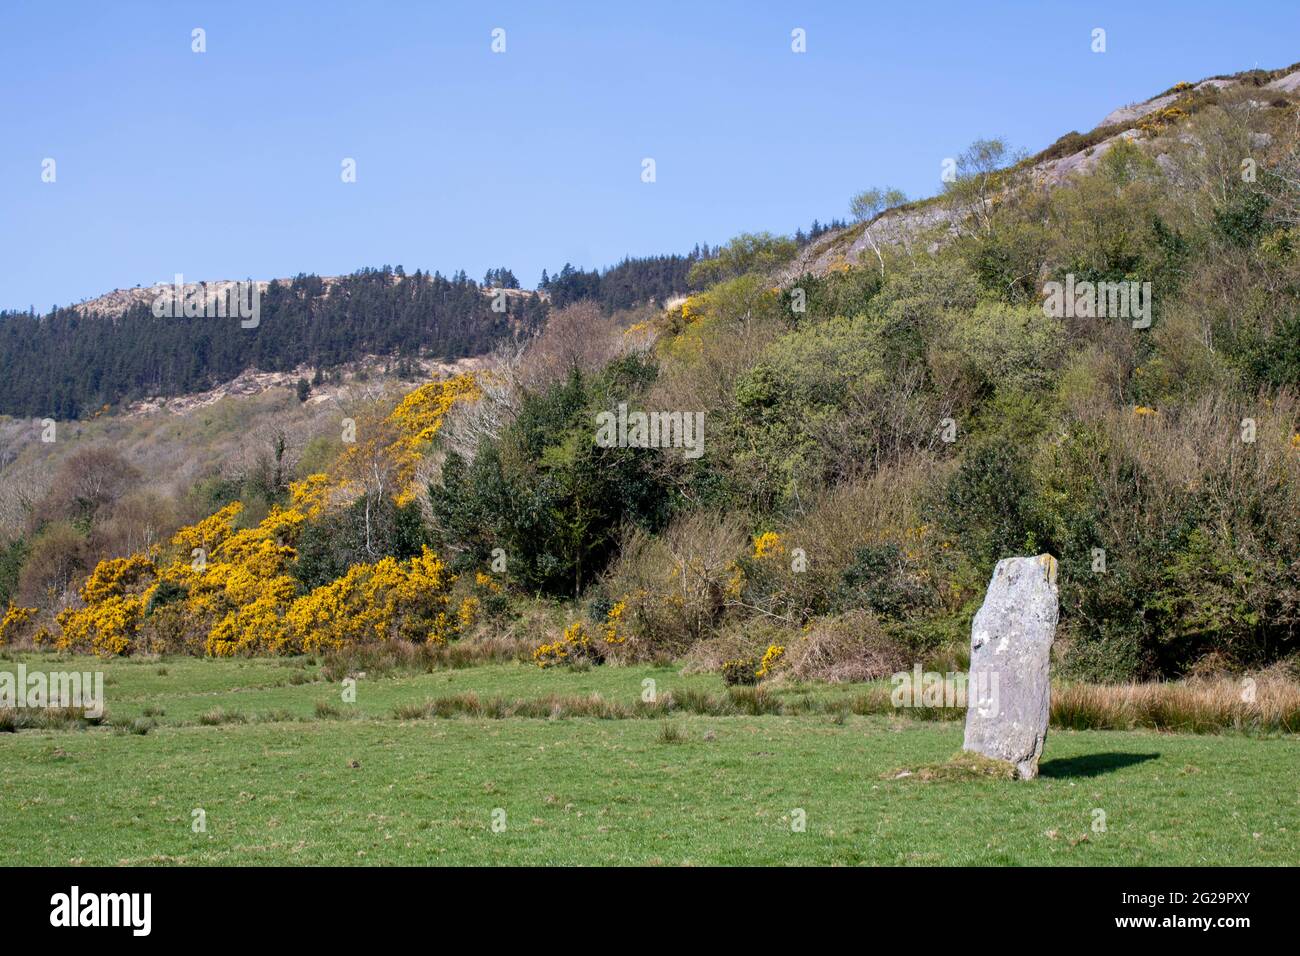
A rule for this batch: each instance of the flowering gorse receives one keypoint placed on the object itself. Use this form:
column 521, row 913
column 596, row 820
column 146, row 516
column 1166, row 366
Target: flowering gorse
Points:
column 228, row 590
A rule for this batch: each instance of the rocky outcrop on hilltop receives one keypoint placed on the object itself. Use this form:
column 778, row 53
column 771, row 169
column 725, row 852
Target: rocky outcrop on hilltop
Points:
column 930, row 222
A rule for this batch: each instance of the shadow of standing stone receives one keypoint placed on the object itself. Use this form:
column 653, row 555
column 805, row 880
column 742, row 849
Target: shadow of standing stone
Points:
column 1009, row 689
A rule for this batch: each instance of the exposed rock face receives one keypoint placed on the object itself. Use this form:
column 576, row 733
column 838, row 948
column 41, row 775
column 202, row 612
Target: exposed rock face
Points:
column 1130, row 114
column 1286, row 84
column 1054, row 172
column 1135, row 111
column 1010, row 648
column 925, row 225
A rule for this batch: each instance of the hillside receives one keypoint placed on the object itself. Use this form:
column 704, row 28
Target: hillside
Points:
column 855, row 429
column 76, row 361
column 113, row 351
column 1151, row 123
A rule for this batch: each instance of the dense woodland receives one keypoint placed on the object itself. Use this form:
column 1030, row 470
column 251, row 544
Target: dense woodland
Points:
column 631, row 282
column 65, row 364
column 655, row 279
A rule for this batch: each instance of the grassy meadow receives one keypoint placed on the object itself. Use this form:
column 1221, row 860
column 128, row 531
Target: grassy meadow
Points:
column 287, row 772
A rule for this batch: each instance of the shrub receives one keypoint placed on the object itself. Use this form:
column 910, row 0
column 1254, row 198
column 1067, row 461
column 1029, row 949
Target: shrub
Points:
column 1190, row 520
column 672, row 590
column 361, row 532
column 880, row 580
column 1009, row 346
column 771, row 657
column 375, row 602
column 841, row 292
column 803, row 414
column 987, row 504
column 15, row 624
column 846, row 648
column 739, row 673
column 574, row 648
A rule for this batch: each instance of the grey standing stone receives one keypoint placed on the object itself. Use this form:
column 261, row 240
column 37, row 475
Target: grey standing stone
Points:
column 1009, row 691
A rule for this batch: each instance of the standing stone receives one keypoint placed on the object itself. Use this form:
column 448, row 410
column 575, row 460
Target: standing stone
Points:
column 1009, row 691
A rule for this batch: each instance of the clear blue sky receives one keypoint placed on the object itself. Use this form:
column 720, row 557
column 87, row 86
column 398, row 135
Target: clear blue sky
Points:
column 226, row 164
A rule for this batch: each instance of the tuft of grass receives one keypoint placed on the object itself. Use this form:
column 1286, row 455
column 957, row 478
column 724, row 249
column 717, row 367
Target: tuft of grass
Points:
column 278, row 715
column 744, row 701
column 138, row 726
column 671, row 734
column 326, row 711
column 47, row 718
column 411, row 711
column 874, row 702
column 219, row 715
column 152, row 710
column 755, row 701
column 961, row 766
column 1196, row 706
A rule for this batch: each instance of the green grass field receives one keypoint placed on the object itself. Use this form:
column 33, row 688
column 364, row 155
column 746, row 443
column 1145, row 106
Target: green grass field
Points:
column 293, row 782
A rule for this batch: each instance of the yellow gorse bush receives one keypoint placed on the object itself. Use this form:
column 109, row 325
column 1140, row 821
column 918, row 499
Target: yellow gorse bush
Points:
column 574, row 644
column 209, row 532
column 107, row 627
column 613, row 620
column 773, row 654
column 418, row 417
column 233, row 589
column 769, row 542
column 372, row 603
column 13, row 622
column 692, row 308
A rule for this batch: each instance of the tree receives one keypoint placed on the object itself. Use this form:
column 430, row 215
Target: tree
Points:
column 55, row 562
column 370, row 467
column 748, row 252
column 303, row 388
column 870, row 203
column 867, row 206
column 981, row 175
column 87, row 484
column 545, row 493
column 501, row 278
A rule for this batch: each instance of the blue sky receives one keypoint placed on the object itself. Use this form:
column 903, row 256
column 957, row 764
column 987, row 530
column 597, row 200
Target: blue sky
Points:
column 227, row 164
